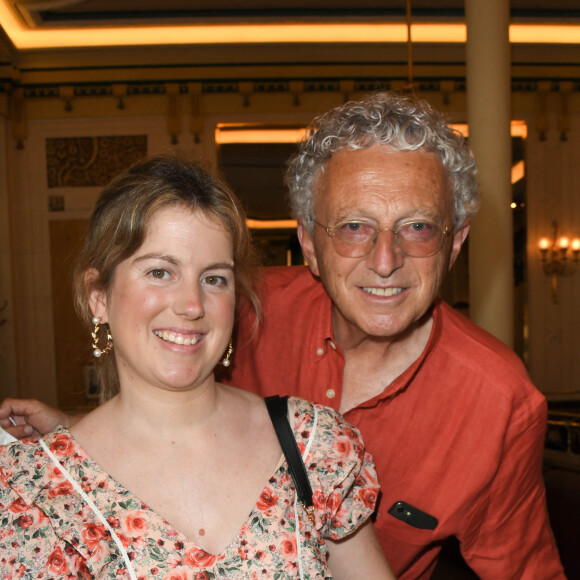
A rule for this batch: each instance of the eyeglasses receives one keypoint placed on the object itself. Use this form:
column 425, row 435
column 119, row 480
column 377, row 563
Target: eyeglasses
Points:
column 415, row 238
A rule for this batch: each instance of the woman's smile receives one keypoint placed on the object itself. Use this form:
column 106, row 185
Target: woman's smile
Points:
column 177, row 338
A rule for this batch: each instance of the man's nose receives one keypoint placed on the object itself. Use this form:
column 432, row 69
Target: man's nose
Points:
column 386, row 255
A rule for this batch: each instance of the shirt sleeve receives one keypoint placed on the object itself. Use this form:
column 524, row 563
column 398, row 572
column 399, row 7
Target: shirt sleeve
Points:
column 508, row 533
column 342, row 474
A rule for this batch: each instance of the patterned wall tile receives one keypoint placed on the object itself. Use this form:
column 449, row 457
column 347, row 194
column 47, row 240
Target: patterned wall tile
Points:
column 91, row 161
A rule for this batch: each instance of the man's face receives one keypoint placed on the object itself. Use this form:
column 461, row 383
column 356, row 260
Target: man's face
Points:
column 384, row 293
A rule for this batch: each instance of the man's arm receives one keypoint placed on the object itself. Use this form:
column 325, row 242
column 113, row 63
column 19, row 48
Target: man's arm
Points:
column 29, row 417
column 509, row 536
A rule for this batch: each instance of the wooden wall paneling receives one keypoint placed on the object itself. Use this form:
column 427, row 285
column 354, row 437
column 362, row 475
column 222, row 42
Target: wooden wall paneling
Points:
column 72, row 341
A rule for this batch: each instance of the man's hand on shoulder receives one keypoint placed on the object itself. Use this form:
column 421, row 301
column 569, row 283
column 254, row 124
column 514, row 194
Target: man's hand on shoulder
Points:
column 24, row 418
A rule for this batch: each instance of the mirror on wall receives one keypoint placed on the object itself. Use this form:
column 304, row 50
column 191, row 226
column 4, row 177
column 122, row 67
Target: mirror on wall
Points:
column 252, row 159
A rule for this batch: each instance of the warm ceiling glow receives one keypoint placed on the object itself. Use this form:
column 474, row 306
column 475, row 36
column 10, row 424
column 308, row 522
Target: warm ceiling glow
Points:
column 271, row 224
column 24, row 38
column 248, row 133
column 378, row 32
column 544, row 34
column 519, row 129
column 437, row 33
column 244, row 134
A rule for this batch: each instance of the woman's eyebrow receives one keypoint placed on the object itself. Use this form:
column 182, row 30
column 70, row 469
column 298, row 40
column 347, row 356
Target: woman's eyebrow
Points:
column 176, row 262
column 155, row 256
column 221, row 266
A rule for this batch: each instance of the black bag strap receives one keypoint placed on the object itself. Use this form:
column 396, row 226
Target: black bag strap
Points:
column 278, row 410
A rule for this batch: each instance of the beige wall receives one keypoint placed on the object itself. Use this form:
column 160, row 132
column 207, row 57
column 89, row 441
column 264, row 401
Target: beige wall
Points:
column 554, row 194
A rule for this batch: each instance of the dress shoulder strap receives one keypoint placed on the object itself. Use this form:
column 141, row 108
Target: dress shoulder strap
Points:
column 278, row 410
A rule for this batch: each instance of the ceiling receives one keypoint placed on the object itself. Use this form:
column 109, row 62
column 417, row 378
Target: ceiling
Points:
column 254, row 171
column 42, row 14
column 62, row 24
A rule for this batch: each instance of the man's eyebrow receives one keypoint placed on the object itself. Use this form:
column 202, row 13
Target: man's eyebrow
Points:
column 415, row 213
column 420, row 213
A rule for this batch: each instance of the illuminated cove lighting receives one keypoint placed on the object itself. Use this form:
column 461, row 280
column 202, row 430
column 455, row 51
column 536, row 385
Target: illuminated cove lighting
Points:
column 321, row 32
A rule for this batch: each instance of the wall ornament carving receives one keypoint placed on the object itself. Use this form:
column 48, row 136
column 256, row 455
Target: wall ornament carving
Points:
column 91, row 161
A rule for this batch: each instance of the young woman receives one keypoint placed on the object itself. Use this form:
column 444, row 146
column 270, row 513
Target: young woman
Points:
column 177, row 476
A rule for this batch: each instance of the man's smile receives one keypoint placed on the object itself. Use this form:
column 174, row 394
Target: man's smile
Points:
column 382, row 291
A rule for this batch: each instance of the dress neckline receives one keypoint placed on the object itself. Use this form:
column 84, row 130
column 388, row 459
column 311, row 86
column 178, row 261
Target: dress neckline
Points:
column 70, row 461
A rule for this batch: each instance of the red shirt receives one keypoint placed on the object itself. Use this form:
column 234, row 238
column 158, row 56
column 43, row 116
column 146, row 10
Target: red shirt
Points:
column 459, row 435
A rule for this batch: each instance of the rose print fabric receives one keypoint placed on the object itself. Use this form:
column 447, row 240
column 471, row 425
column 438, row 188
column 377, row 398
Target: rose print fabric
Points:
column 47, row 530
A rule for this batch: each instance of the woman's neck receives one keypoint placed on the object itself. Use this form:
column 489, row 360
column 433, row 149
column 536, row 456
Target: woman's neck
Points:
column 146, row 411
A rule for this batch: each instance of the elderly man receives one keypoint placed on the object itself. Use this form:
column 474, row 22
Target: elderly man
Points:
column 383, row 191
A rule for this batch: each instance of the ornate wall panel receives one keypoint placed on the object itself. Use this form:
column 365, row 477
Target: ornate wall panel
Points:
column 91, row 161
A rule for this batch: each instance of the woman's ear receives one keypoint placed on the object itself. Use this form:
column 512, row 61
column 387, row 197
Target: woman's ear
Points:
column 96, row 296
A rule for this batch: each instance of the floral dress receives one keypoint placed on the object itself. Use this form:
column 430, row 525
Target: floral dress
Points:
column 48, row 530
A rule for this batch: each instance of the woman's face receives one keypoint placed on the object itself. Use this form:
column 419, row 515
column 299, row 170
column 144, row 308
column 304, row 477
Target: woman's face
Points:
column 171, row 304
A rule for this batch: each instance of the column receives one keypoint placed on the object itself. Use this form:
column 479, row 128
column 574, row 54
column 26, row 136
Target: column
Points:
column 488, row 116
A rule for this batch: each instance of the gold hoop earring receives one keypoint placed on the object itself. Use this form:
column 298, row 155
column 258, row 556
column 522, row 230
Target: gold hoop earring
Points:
column 226, row 360
column 97, row 352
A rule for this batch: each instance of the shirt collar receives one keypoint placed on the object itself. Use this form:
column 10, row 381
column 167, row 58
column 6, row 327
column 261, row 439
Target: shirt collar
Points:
column 403, row 381
column 321, row 335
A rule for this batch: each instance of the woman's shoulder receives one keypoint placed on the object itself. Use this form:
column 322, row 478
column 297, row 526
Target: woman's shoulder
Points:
column 16, row 454
column 27, row 468
column 331, row 428
column 324, row 414
column 19, row 464
column 27, row 497
column 341, row 473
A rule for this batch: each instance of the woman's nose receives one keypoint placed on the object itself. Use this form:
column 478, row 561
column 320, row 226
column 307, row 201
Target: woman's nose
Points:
column 189, row 302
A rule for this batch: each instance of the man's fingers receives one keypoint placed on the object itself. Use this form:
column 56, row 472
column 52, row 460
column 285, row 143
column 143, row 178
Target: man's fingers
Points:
column 13, row 418
column 21, row 432
column 8, row 421
column 15, row 407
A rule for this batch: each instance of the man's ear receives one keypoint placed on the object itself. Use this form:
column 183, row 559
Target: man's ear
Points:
column 307, row 244
column 458, row 238
column 97, row 297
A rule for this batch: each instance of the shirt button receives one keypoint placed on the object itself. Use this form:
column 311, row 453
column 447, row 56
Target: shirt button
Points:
column 330, row 393
column 319, row 351
column 332, row 345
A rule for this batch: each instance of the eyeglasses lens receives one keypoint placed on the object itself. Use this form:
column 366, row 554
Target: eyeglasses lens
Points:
column 415, row 239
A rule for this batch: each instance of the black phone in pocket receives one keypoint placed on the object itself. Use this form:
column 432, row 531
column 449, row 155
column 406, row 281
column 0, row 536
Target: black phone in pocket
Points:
column 412, row 516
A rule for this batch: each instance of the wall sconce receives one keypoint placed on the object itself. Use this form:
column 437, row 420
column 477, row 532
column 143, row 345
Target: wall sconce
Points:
column 554, row 254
